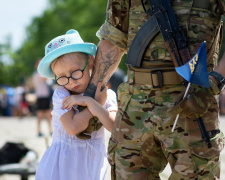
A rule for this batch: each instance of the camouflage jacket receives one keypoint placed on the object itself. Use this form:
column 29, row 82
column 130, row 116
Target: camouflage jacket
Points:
column 200, row 20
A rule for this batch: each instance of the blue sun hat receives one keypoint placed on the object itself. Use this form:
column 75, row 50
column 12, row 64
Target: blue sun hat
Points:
column 70, row 42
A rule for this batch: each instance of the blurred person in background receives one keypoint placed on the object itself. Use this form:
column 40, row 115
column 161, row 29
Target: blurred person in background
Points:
column 16, row 100
column 24, row 105
column 4, row 102
column 43, row 106
column 19, row 104
column 7, row 93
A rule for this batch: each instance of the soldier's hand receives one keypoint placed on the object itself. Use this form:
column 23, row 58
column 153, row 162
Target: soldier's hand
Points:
column 101, row 96
column 196, row 103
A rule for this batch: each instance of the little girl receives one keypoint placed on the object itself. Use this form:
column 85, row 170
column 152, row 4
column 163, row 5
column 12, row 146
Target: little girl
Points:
column 69, row 60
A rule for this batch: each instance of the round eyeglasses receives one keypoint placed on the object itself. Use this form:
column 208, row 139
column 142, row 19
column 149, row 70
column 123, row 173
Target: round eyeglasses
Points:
column 77, row 74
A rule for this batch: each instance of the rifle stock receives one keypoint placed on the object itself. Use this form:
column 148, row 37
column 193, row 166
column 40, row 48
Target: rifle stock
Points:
column 185, row 55
column 174, row 53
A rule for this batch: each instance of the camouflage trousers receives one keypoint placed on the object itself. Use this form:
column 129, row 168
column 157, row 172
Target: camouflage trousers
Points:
column 141, row 144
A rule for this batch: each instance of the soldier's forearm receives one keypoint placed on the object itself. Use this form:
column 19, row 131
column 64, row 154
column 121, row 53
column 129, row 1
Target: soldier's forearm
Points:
column 106, row 61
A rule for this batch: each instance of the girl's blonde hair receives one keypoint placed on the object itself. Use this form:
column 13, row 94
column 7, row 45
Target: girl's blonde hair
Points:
column 81, row 55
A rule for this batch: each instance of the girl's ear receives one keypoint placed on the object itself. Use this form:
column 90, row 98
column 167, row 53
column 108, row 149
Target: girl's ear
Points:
column 91, row 62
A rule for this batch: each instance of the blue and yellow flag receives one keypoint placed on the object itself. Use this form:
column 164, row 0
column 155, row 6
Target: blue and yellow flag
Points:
column 195, row 71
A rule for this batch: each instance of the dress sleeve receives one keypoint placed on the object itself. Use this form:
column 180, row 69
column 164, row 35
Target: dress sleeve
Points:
column 59, row 94
column 115, row 28
column 111, row 102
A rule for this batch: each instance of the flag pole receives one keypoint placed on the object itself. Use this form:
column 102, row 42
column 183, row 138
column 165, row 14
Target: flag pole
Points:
column 185, row 94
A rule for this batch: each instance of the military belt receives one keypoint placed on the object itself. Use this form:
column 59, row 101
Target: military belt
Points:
column 157, row 78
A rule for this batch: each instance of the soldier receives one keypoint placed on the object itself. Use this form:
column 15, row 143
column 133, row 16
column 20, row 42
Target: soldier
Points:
column 142, row 143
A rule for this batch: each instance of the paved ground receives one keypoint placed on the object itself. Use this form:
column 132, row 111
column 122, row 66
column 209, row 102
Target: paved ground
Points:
column 24, row 130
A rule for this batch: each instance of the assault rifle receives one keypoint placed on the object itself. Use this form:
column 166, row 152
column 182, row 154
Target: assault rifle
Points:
column 163, row 20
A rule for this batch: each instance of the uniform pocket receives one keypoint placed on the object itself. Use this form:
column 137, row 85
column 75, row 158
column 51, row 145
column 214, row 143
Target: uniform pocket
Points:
column 111, row 156
column 123, row 100
column 152, row 155
column 206, row 160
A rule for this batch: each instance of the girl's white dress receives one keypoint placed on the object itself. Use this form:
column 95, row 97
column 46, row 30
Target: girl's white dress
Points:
column 70, row 158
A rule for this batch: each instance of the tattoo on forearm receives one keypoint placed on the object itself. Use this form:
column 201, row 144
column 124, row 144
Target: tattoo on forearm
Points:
column 106, row 62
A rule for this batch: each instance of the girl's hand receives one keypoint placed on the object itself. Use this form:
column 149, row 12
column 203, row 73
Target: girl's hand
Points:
column 72, row 100
column 101, row 96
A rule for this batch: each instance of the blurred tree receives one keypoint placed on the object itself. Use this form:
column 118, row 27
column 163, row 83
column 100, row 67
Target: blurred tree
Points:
column 6, row 63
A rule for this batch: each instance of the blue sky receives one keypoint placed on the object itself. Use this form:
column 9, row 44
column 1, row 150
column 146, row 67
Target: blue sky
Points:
column 15, row 15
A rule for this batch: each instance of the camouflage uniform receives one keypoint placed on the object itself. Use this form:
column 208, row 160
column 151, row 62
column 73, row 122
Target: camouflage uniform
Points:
column 141, row 144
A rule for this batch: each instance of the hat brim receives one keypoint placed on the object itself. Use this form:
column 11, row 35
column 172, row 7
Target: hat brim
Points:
column 44, row 67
